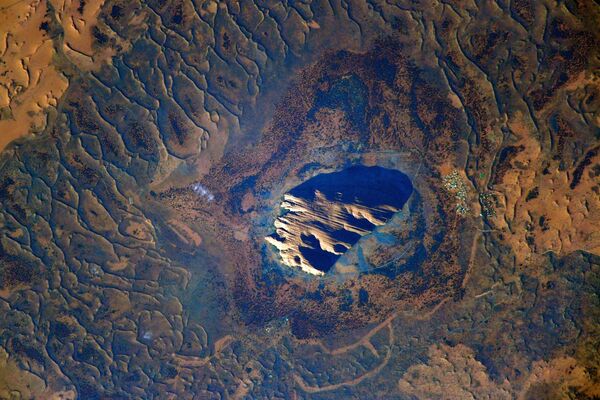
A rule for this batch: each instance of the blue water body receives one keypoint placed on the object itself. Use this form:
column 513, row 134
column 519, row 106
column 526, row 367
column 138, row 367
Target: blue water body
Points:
column 371, row 186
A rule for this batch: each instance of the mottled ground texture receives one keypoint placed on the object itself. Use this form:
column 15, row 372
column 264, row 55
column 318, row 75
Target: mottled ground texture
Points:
column 148, row 148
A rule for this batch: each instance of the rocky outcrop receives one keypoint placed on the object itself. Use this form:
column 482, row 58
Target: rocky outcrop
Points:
column 327, row 215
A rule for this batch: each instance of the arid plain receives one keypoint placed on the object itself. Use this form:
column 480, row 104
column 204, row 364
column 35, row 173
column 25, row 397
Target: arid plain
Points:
column 354, row 199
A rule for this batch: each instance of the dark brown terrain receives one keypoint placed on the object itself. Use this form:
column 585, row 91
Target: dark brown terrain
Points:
column 157, row 239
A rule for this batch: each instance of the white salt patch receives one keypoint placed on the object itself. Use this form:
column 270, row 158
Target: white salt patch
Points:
column 202, row 191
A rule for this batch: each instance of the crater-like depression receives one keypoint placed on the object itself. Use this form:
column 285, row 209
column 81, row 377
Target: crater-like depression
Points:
column 325, row 216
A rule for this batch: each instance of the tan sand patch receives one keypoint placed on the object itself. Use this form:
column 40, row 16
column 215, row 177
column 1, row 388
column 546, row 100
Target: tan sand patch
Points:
column 29, row 83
